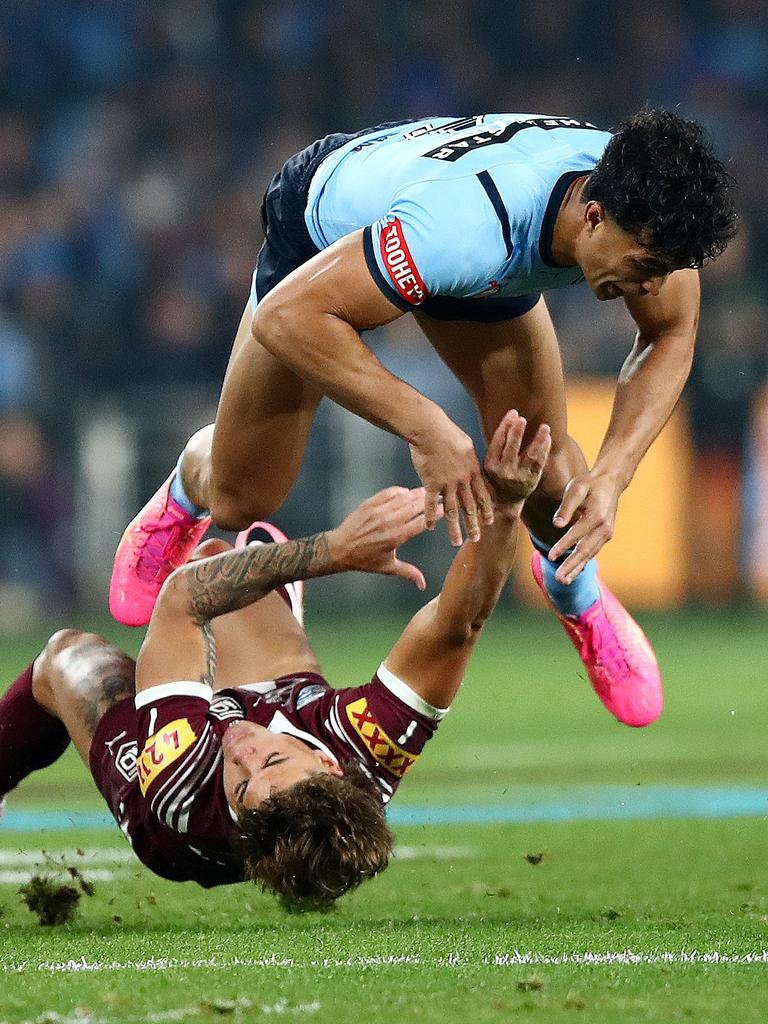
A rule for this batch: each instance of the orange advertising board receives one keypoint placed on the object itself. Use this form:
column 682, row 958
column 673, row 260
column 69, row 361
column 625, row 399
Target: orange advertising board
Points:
column 645, row 563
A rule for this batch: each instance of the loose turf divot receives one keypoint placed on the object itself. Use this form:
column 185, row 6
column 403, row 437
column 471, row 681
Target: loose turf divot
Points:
column 53, row 904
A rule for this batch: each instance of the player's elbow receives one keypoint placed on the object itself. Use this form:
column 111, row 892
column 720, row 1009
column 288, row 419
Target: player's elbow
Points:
column 174, row 596
column 463, row 632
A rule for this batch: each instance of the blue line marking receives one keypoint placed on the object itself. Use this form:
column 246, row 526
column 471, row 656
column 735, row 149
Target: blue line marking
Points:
column 544, row 804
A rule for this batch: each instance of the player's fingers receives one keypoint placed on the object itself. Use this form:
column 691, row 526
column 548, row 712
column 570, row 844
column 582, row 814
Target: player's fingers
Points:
column 570, row 539
column 483, row 499
column 469, row 508
column 431, row 503
column 515, row 430
column 402, row 507
column 574, row 495
column 496, row 444
column 537, row 451
column 451, row 509
column 575, row 562
column 412, row 528
column 409, row 572
column 388, row 494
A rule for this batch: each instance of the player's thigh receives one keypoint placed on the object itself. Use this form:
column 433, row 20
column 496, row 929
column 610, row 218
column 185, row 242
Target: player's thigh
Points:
column 264, row 416
column 509, row 364
column 261, row 642
column 78, row 678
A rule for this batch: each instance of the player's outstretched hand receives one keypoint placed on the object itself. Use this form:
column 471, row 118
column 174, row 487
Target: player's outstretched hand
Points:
column 514, row 473
column 368, row 538
column 448, row 467
column 589, row 507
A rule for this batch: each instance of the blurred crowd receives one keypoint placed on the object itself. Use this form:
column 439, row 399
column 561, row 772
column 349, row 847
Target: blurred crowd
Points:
column 136, row 140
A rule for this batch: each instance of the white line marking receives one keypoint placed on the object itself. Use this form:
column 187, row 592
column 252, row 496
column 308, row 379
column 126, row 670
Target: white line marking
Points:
column 434, row 852
column 624, row 957
column 59, row 874
column 79, row 858
column 53, row 860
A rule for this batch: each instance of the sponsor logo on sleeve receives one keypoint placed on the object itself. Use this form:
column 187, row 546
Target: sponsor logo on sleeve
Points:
column 384, row 750
column 161, row 750
column 309, row 694
column 399, row 263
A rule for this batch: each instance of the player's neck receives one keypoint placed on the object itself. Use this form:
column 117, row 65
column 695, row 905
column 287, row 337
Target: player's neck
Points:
column 568, row 224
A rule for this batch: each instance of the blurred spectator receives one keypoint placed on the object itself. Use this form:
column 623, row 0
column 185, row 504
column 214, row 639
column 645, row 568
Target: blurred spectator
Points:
column 35, row 511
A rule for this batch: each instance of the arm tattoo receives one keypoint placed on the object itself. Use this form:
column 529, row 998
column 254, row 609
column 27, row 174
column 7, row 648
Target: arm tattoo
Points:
column 235, row 579
column 210, row 654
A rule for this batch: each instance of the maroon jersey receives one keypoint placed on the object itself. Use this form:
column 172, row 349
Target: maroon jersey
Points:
column 159, row 763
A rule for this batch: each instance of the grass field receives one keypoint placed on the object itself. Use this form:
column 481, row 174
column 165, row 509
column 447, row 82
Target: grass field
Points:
column 606, row 917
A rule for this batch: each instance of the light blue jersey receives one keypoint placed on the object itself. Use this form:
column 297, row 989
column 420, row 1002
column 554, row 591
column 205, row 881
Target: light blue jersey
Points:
column 461, row 208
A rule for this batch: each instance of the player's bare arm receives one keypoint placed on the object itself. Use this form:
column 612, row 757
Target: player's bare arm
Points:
column 649, row 386
column 312, row 321
column 432, row 654
column 180, row 642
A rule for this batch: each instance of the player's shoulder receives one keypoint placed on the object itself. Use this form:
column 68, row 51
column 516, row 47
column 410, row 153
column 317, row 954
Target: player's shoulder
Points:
column 384, row 725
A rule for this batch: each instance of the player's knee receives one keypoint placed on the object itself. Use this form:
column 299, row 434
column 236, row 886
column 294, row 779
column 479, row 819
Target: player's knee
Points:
column 48, row 671
column 233, row 510
column 64, row 641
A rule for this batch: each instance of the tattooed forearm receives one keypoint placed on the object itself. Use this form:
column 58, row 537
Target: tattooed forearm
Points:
column 209, row 675
column 235, row 579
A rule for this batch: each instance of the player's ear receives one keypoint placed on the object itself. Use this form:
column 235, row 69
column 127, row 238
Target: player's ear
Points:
column 594, row 215
column 329, row 765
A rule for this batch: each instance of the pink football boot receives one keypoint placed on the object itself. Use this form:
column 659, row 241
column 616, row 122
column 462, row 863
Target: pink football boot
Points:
column 159, row 540
column 616, row 654
column 268, row 533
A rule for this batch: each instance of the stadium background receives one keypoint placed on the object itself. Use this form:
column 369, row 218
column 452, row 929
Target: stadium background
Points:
column 135, row 143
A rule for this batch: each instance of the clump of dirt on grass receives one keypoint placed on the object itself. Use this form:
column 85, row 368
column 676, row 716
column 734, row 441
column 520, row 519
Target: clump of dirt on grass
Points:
column 53, row 903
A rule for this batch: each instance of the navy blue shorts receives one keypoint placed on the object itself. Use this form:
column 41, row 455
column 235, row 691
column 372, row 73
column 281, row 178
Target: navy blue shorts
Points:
column 288, row 244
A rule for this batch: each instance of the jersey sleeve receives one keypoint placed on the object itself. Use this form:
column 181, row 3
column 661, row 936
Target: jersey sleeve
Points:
column 179, row 753
column 438, row 238
column 384, row 725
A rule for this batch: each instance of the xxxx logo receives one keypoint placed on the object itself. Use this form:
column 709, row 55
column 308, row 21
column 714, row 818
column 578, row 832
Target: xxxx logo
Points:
column 388, row 754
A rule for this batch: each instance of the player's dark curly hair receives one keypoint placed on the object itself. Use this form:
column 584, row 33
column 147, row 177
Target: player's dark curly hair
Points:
column 317, row 839
column 660, row 181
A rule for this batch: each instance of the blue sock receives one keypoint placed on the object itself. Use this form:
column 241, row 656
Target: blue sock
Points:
column 569, row 598
column 179, row 495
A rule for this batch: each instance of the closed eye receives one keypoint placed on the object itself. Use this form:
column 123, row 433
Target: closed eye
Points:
column 240, row 791
column 273, row 759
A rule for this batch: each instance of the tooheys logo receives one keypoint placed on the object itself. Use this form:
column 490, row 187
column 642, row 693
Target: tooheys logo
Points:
column 399, row 262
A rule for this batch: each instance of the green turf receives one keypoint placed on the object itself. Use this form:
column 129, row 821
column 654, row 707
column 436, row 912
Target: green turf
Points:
column 431, row 940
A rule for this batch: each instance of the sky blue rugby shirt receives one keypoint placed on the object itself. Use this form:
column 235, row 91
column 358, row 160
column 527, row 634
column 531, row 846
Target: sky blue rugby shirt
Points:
column 463, row 208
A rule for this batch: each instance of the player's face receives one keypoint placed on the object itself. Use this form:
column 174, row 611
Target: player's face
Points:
column 258, row 763
column 614, row 263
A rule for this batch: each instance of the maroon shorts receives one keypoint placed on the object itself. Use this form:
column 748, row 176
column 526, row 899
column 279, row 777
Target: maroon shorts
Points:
column 113, row 761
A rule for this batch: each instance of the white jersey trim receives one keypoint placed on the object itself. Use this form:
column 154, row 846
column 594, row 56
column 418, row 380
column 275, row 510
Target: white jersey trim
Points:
column 280, row 724
column 180, row 689
column 408, row 696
